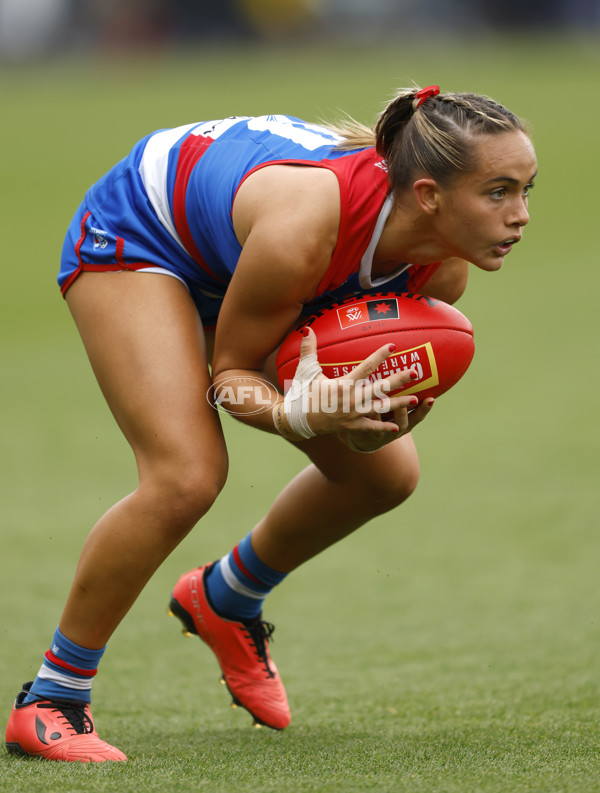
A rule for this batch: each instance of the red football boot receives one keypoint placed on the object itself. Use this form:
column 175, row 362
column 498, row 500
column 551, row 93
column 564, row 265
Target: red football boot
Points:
column 242, row 651
column 56, row 730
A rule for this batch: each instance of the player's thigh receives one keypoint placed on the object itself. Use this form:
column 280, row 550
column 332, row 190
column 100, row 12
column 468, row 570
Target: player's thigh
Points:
column 388, row 476
column 146, row 345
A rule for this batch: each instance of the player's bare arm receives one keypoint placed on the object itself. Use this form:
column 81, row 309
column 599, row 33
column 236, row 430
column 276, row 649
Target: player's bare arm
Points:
column 286, row 218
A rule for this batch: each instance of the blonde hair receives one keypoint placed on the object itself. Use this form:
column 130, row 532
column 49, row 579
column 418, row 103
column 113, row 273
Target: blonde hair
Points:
column 353, row 134
column 432, row 136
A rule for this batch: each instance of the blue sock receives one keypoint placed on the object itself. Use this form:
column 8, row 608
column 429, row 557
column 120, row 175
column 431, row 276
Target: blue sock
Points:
column 66, row 672
column 239, row 582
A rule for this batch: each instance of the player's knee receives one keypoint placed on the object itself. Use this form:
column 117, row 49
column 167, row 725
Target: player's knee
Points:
column 393, row 490
column 183, row 494
column 198, row 491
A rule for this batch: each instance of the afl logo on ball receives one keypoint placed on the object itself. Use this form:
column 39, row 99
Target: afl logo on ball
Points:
column 367, row 311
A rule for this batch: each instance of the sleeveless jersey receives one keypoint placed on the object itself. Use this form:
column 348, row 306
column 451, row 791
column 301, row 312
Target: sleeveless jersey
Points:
column 168, row 204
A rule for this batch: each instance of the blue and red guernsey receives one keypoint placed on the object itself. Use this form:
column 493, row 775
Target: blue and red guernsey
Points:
column 168, row 203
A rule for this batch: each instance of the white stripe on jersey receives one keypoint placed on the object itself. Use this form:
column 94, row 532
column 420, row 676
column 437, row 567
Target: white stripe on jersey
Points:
column 309, row 136
column 153, row 170
column 81, row 684
column 235, row 584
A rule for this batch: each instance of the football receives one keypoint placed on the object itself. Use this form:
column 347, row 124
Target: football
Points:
column 431, row 337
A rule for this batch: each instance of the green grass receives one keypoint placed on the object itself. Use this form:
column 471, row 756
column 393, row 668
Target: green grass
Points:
column 452, row 645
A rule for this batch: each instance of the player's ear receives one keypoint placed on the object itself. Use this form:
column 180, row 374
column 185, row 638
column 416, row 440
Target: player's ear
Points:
column 427, row 195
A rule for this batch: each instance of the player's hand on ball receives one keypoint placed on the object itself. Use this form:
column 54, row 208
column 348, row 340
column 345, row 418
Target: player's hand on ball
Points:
column 359, row 410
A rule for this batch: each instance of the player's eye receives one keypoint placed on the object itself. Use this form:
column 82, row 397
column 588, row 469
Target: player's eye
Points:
column 498, row 193
column 528, row 188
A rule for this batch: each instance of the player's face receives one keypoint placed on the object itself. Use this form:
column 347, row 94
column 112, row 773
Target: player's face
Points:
column 483, row 214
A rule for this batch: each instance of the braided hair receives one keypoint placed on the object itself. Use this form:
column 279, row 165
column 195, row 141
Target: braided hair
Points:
column 423, row 131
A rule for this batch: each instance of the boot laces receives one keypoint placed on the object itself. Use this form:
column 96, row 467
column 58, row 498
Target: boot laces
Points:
column 260, row 632
column 73, row 713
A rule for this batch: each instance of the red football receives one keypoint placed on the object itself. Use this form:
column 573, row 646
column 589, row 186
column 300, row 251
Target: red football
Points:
column 431, row 337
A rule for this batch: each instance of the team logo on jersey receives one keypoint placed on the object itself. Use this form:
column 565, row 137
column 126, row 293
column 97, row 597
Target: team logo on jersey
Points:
column 100, row 240
column 367, row 311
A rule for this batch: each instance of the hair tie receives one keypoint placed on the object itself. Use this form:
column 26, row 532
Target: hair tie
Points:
column 424, row 94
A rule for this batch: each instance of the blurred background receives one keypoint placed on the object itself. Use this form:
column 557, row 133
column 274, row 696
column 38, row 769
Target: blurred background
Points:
column 33, row 27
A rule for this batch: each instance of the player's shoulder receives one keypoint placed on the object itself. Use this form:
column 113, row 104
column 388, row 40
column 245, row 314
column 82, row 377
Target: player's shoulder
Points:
column 285, row 178
column 299, row 203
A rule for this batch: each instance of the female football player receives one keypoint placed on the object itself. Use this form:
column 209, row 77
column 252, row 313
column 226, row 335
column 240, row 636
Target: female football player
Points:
column 202, row 248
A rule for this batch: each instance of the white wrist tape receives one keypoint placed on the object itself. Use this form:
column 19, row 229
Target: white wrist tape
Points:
column 296, row 401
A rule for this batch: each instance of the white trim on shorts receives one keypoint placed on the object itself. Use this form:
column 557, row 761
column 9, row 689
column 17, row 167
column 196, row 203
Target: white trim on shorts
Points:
column 163, row 271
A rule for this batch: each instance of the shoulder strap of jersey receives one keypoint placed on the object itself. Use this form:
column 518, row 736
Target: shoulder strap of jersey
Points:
column 364, row 186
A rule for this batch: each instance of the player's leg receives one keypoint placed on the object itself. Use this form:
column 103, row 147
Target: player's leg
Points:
column 340, row 492
column 145, row 343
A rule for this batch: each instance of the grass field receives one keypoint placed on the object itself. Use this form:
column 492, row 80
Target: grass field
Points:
column 452, row 645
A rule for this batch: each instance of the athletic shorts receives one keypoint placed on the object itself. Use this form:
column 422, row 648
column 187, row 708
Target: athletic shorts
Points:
column 90, row 246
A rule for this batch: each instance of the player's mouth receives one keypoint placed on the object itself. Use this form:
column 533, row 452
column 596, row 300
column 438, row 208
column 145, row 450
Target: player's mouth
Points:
column 505, row 247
